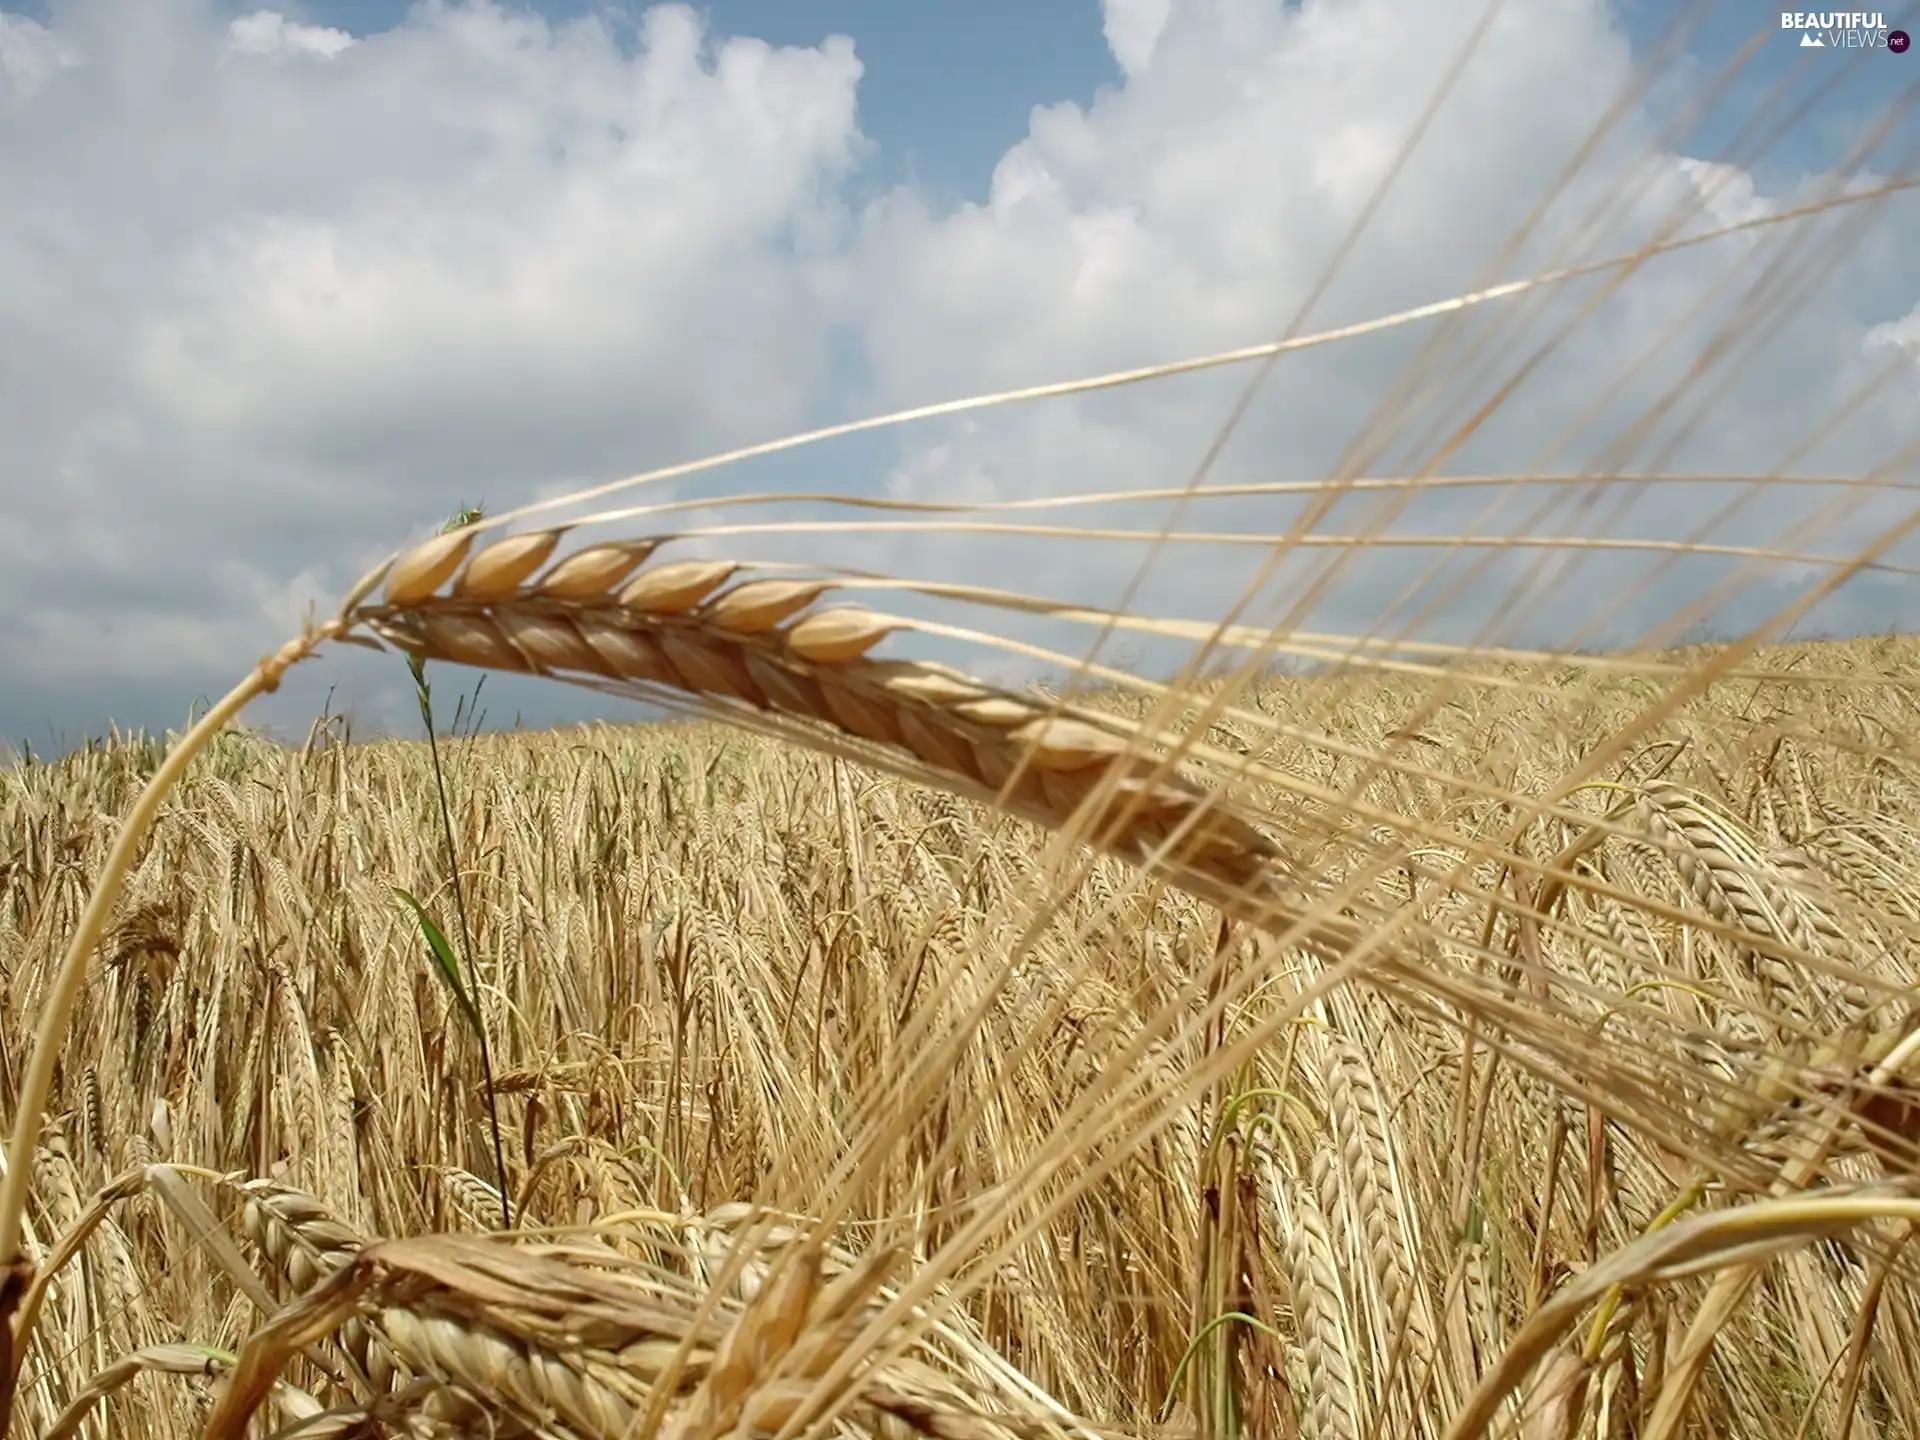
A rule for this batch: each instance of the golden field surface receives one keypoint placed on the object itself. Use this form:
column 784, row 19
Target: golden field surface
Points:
column 1098, row 1160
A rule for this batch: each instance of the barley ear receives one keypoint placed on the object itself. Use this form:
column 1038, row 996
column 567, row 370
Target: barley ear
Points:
column 56, row 1009
column 308, row 1320
column 753, row 1349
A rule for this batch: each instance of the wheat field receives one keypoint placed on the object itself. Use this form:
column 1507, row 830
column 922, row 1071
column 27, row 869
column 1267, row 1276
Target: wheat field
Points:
column 714, row 967
column 1393, row 1031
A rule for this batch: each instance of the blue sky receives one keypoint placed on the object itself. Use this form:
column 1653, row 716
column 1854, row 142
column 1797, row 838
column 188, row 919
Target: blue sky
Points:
column 272, row 297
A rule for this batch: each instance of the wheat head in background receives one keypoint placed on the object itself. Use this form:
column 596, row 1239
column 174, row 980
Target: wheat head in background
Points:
column 1308, row 1032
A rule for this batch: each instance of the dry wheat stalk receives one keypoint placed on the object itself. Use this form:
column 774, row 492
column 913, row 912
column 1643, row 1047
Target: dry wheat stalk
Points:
column 1332, row 1407
column 305, row 1243
column 1724, row 1241
column 1378, row 1204
column 554, row 1340
column 591, row 617
column 1736, row 885
column 156, row 1359
column 478, row 1369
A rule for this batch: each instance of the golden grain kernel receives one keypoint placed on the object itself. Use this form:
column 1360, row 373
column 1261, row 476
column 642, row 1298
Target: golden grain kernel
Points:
column 423, row 569
column 498, row 570
column 551, row 644
column 681, row 585
column 924, row 684
column 627, row 654
column 591, row 573
column 844, row 633
column 470, row 640
column 710, row 669
column 760, row 605
column 785, row 689
column 1058, row 742
column 999, row 711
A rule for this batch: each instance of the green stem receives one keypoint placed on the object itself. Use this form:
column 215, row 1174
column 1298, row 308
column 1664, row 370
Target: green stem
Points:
column 466, row 944
column 1199, row 1339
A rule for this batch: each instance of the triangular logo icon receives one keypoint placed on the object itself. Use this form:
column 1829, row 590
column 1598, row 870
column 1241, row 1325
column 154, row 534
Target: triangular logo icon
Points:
column 1809, row 41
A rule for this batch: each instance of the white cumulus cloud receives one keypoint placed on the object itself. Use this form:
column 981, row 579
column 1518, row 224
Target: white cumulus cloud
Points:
column 1132, row 28
column 258, row 318
column 272, row 294
column 268, row 32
